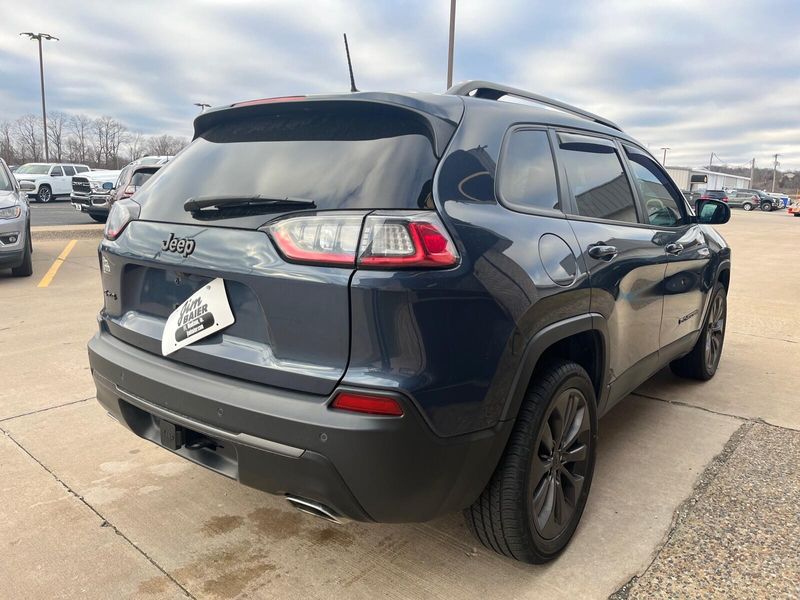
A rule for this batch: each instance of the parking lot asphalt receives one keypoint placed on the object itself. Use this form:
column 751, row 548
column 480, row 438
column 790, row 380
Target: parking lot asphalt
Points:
column 57, row 212
column 695, row 494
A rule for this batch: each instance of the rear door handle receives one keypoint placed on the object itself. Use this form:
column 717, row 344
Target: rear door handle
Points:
column 602, row 252
column 674, row 248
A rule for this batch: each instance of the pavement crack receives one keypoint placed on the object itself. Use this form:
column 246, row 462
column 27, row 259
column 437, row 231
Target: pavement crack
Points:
column 41, row 410
column 766, row 337
column 104, row 521
column 687, row 405
column 685, row 508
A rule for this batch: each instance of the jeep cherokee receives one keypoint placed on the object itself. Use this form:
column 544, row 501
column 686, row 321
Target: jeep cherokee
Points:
column 386, row 307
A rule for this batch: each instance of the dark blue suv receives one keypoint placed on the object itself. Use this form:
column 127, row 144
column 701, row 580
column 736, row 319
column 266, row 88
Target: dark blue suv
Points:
column 386, row 307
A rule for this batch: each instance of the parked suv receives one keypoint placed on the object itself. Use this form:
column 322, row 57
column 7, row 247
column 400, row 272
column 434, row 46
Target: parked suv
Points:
column 720, row 195
column 16, row 248
column 388, row 307
column 746, row 199
column 765, row 202
column 50, row 180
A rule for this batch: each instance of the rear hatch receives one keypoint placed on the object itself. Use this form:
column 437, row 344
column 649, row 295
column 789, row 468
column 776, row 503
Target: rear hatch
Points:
column 292, row 321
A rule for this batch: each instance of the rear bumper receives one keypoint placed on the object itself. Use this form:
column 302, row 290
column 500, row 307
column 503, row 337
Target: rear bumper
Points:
column 388, row 469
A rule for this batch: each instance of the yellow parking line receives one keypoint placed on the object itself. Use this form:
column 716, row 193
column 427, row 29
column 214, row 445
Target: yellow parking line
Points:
column 51, row 272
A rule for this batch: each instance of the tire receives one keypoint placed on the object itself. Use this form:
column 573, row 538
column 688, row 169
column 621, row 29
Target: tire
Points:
column 766, row 207
column 747, row 206
column 45, row 194
column 25, row 269
column 99, row 218
column 702, row 362
column 511, row 516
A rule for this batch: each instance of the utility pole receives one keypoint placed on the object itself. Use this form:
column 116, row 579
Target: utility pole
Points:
column 752, row 172
column 202, row 105
column 664, row 160
column 710, row 161
column 451, row 44
column 774, row 170
column 38, row 37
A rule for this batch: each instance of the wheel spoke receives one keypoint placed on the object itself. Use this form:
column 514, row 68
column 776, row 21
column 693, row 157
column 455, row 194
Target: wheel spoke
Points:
column 546, row 512
column 547, row 438
column 574, row 483
column 574, row 454
column 578, row 426
column 562, row 510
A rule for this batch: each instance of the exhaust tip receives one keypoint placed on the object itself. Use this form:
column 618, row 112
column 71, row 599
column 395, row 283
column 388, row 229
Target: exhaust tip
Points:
column 313, row 508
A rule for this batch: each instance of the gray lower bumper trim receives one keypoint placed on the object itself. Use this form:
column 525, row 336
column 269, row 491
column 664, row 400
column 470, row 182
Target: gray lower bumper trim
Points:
column 236, row 438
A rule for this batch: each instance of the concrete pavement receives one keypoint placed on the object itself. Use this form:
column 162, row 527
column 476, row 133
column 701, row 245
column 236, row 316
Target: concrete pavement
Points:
column 89, row 510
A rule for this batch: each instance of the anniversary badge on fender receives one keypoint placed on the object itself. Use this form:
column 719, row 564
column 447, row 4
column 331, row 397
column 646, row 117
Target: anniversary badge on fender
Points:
column 203, row 313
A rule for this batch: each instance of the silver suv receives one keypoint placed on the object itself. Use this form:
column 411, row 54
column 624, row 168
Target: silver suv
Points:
column 15, row 225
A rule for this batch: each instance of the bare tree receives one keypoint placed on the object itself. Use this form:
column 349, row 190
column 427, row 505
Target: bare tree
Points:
column 56, row 122
column 165, row 145
column 118, row 135
column 80, row 126
column 7, row 141
column 136, row 146
column 29, row 133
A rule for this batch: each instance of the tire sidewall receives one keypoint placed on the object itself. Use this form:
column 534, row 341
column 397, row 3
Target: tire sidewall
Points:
column 551, row 548
column 718, row 290
column 747, row 206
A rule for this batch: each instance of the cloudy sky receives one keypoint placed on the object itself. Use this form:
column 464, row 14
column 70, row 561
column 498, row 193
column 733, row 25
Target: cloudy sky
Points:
column 697, row 76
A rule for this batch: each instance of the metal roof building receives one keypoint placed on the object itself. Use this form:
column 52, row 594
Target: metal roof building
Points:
column 702, row 179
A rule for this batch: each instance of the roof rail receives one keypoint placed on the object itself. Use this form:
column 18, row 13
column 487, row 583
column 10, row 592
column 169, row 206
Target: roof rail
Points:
column 494, row 91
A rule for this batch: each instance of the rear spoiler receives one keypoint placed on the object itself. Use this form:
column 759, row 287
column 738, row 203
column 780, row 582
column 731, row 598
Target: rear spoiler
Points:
column 440, row 120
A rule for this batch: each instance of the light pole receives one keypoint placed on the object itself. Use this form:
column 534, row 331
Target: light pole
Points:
column 664, row 160
column 203, row 106
column 38, row 37
column 451, row 43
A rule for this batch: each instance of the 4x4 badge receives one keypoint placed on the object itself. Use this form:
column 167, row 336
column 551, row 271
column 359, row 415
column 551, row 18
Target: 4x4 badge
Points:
column 183, row 246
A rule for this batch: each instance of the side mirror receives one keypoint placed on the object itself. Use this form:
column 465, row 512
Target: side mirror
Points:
column 712, row 212
column 26, row 186
column 108, row 185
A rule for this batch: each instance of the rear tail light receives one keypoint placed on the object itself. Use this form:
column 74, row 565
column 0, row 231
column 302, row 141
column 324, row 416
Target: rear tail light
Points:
column 122, row 213
column 364, row 403
column 724, row 198
column 383, row 240
column 129, row 191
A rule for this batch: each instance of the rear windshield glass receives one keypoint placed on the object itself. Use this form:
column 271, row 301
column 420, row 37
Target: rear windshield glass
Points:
column 140, row 177
column 368, row 157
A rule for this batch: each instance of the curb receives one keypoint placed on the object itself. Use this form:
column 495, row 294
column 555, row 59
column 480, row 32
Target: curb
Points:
column 67, row 232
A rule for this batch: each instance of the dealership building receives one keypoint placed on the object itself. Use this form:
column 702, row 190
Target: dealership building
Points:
column 690, row 180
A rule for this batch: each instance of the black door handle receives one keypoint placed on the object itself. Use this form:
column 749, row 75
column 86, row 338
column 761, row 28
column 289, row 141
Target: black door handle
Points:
column 674, row 248
column 602, row 252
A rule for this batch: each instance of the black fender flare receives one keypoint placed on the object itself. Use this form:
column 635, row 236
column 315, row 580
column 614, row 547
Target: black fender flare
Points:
column 546, row 337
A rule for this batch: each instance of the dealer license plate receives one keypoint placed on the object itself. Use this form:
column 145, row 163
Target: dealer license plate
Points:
column 205, row 312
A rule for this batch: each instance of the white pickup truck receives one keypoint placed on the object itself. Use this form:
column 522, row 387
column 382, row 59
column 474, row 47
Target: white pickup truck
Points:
column 92, row 191
column 49, row 179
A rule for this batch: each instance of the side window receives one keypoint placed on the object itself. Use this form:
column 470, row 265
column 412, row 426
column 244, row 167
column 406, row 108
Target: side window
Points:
column 527, row 174
column 121, row 179
column 80, row 169
column 596, row 178
column 69, row 170
column 56, row 172
column 660, row 203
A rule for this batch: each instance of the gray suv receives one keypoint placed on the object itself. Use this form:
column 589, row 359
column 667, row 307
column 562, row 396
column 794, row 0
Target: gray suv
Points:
column 750, row 199
column 388, row 307
column 15, row 225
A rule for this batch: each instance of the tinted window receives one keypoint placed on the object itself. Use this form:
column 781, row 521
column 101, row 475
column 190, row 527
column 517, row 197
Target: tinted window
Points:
column 122, row 177
column 358, row 157
column 81, row 169
column 140, row 177
column 527, row 173
column 661, row 207
column 56, row 172
column 596, row 178
column 69, row 170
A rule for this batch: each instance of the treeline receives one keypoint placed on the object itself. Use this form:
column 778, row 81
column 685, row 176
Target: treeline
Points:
column 101, row 143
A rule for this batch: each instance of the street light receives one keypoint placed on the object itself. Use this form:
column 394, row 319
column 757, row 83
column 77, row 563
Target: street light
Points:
column 451, row 43
column 38, row 37
column 203, row 106
column 664, row 160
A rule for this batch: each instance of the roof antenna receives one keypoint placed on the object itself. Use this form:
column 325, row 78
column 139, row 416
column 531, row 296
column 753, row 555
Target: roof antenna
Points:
column 353, row 87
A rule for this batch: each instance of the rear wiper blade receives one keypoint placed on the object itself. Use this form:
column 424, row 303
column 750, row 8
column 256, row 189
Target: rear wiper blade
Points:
column 202, row 202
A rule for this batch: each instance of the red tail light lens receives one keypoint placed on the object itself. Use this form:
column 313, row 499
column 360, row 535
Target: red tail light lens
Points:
column 386, row 240
column 363, row 403
column 122, row 213
column 319, row 239
column 405, row 240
